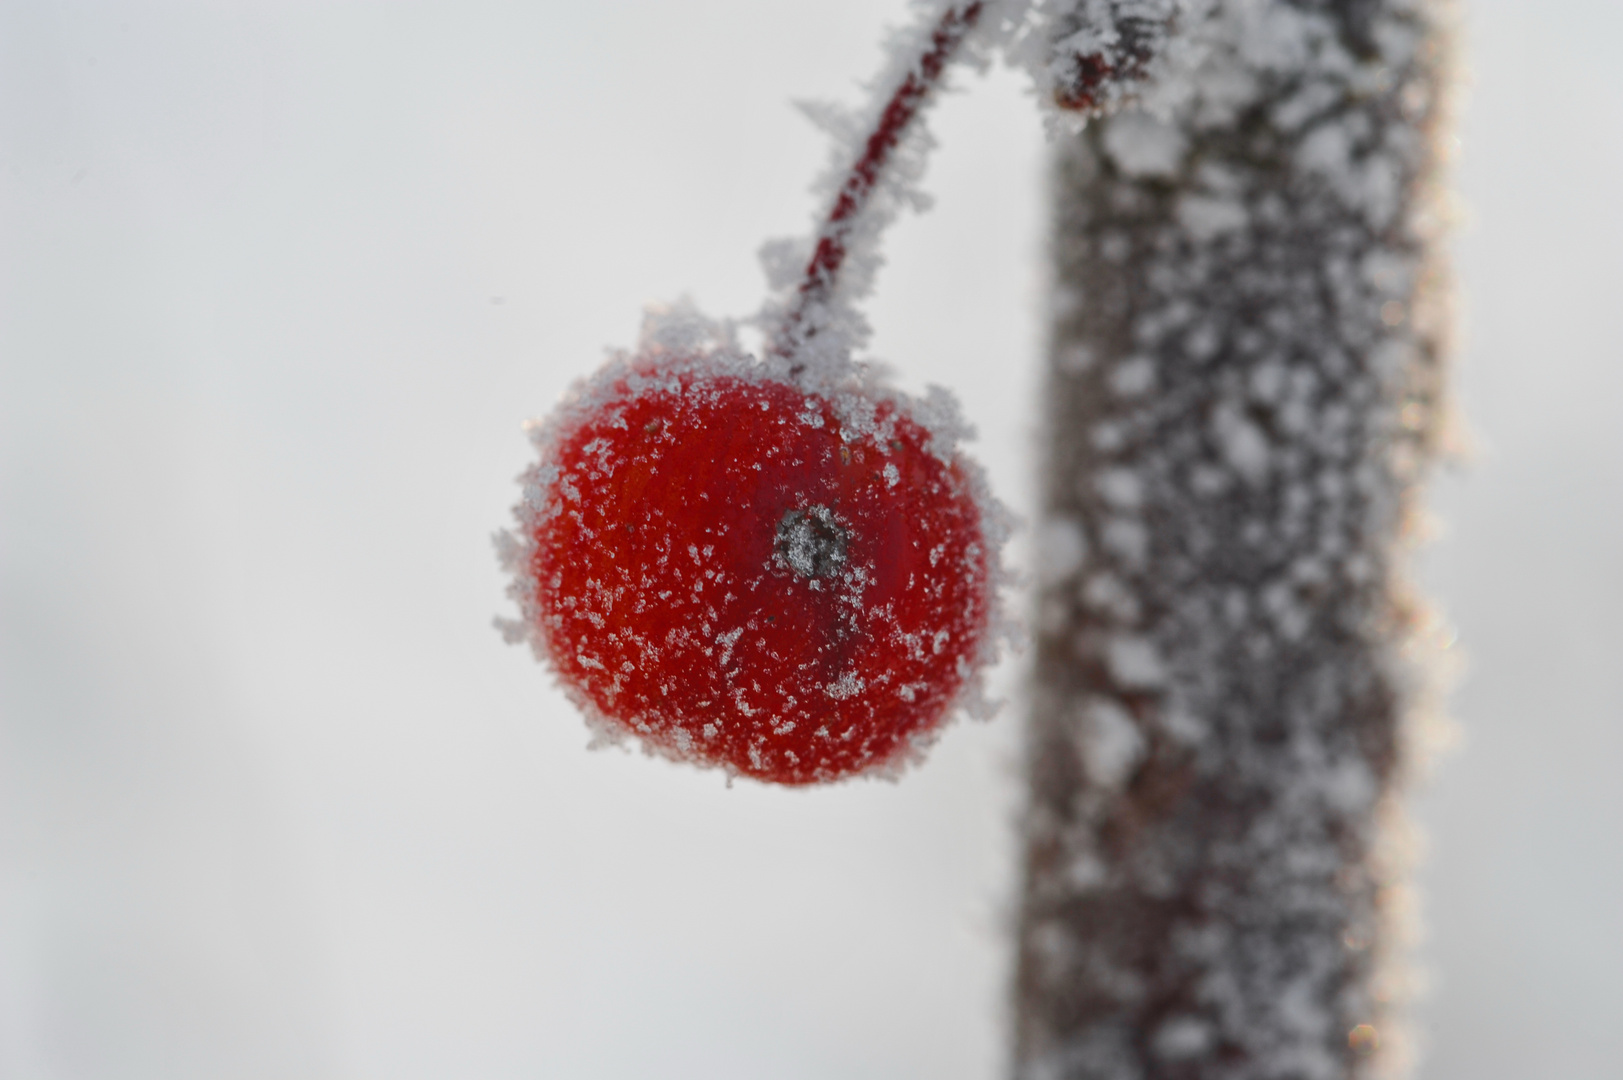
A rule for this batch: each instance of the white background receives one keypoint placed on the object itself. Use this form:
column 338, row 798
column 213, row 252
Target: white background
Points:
column 278, row 283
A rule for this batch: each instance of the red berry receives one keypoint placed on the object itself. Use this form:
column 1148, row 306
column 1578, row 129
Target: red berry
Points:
column 793, row 587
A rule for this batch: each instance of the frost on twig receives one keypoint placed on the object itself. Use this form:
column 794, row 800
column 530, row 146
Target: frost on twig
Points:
column 1243, row 393
column 1091, row 56
column 878, row 158
column 1087, row 56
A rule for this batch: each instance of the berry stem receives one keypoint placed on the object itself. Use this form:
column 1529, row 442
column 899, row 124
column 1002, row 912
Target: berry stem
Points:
column 906, row 102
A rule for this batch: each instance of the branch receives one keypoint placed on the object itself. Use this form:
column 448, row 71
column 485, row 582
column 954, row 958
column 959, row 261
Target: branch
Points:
column 1243, row 395
column 833, row 243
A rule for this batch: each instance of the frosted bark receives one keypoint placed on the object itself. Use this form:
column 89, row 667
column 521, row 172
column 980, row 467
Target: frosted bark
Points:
column 1243, row 392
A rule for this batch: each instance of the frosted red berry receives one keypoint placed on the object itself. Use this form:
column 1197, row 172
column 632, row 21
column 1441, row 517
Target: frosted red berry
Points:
column 793, row 587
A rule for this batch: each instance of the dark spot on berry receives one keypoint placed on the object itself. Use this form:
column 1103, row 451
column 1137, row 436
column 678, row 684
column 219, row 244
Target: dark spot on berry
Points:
column 811, row 542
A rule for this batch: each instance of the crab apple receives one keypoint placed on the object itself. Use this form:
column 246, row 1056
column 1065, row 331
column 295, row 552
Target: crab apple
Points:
column 793, row 586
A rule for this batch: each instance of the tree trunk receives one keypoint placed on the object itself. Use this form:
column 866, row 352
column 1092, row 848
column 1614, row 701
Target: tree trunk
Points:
column 1245, row 370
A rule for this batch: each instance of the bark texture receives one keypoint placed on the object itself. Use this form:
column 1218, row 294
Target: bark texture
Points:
column 1244, row 387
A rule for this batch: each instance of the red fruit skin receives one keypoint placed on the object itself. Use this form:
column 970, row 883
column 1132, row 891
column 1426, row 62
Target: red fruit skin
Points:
column 653, row 576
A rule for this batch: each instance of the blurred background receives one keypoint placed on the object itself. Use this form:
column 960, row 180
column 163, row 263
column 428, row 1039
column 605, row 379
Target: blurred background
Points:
column 278, row 284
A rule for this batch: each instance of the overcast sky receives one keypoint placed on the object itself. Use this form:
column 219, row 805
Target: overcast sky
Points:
column 279, row 281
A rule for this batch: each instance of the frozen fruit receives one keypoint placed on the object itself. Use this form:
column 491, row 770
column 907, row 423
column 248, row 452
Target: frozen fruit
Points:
column 743, row 573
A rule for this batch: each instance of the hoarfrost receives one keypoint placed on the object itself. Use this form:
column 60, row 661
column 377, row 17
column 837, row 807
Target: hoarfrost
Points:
column 1182, row 1037
column 1256, row 241
column 1112, row 744
column 1243, row 444
column 1145, row 146
column 1061, row 549
column 1087, row 56
column 1135, row 662
column 1206, row 217
column 1134, row 377
column 1121, row 487
column 847, row 685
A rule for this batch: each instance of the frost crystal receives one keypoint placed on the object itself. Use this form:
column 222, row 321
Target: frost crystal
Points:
column 1090, row 56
